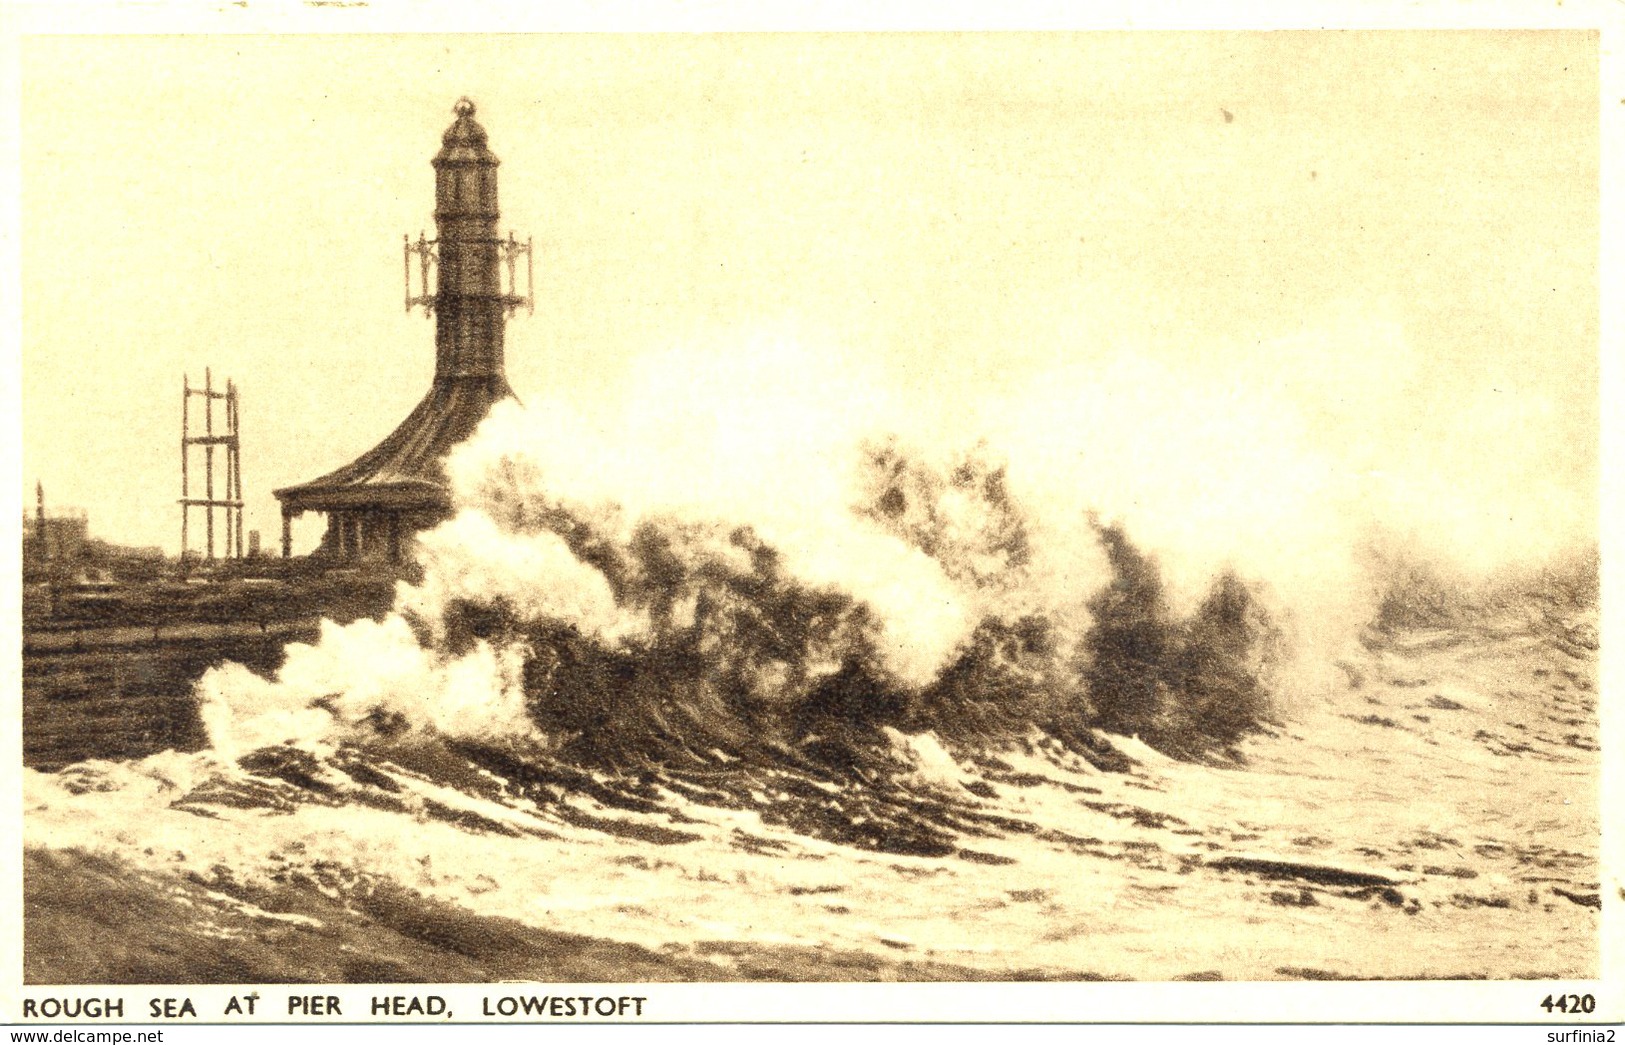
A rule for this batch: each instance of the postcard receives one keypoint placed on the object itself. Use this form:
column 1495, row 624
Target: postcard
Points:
column 804, row 521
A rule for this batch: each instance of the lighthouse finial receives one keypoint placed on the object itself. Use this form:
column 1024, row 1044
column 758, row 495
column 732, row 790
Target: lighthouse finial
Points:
column 464, row 107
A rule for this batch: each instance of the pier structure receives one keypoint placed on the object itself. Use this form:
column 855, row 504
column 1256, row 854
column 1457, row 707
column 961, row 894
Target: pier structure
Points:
column 210, row 439
column 467, row 279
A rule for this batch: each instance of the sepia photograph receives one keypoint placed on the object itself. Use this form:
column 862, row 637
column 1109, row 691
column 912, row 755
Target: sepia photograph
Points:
column 810, row 507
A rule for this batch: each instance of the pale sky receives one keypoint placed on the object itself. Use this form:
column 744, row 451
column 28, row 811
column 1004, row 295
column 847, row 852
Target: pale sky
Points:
column 1396, row 234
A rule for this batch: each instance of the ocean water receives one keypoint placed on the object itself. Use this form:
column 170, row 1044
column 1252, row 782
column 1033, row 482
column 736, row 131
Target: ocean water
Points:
column 1435, row 816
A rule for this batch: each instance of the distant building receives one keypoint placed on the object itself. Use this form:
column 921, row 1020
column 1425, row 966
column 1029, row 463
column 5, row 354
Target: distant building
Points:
column 60, row 537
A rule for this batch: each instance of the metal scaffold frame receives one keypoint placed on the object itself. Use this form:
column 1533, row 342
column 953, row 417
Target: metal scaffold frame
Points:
column 232, row 502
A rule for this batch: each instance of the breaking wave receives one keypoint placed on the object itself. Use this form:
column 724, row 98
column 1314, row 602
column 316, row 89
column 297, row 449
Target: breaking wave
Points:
column 737, row 571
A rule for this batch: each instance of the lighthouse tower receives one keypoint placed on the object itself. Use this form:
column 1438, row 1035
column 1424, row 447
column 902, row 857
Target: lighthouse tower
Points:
column 377, row 502
column 469, row 302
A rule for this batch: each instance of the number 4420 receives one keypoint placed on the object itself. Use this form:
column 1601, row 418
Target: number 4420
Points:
column 1569, row 1003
